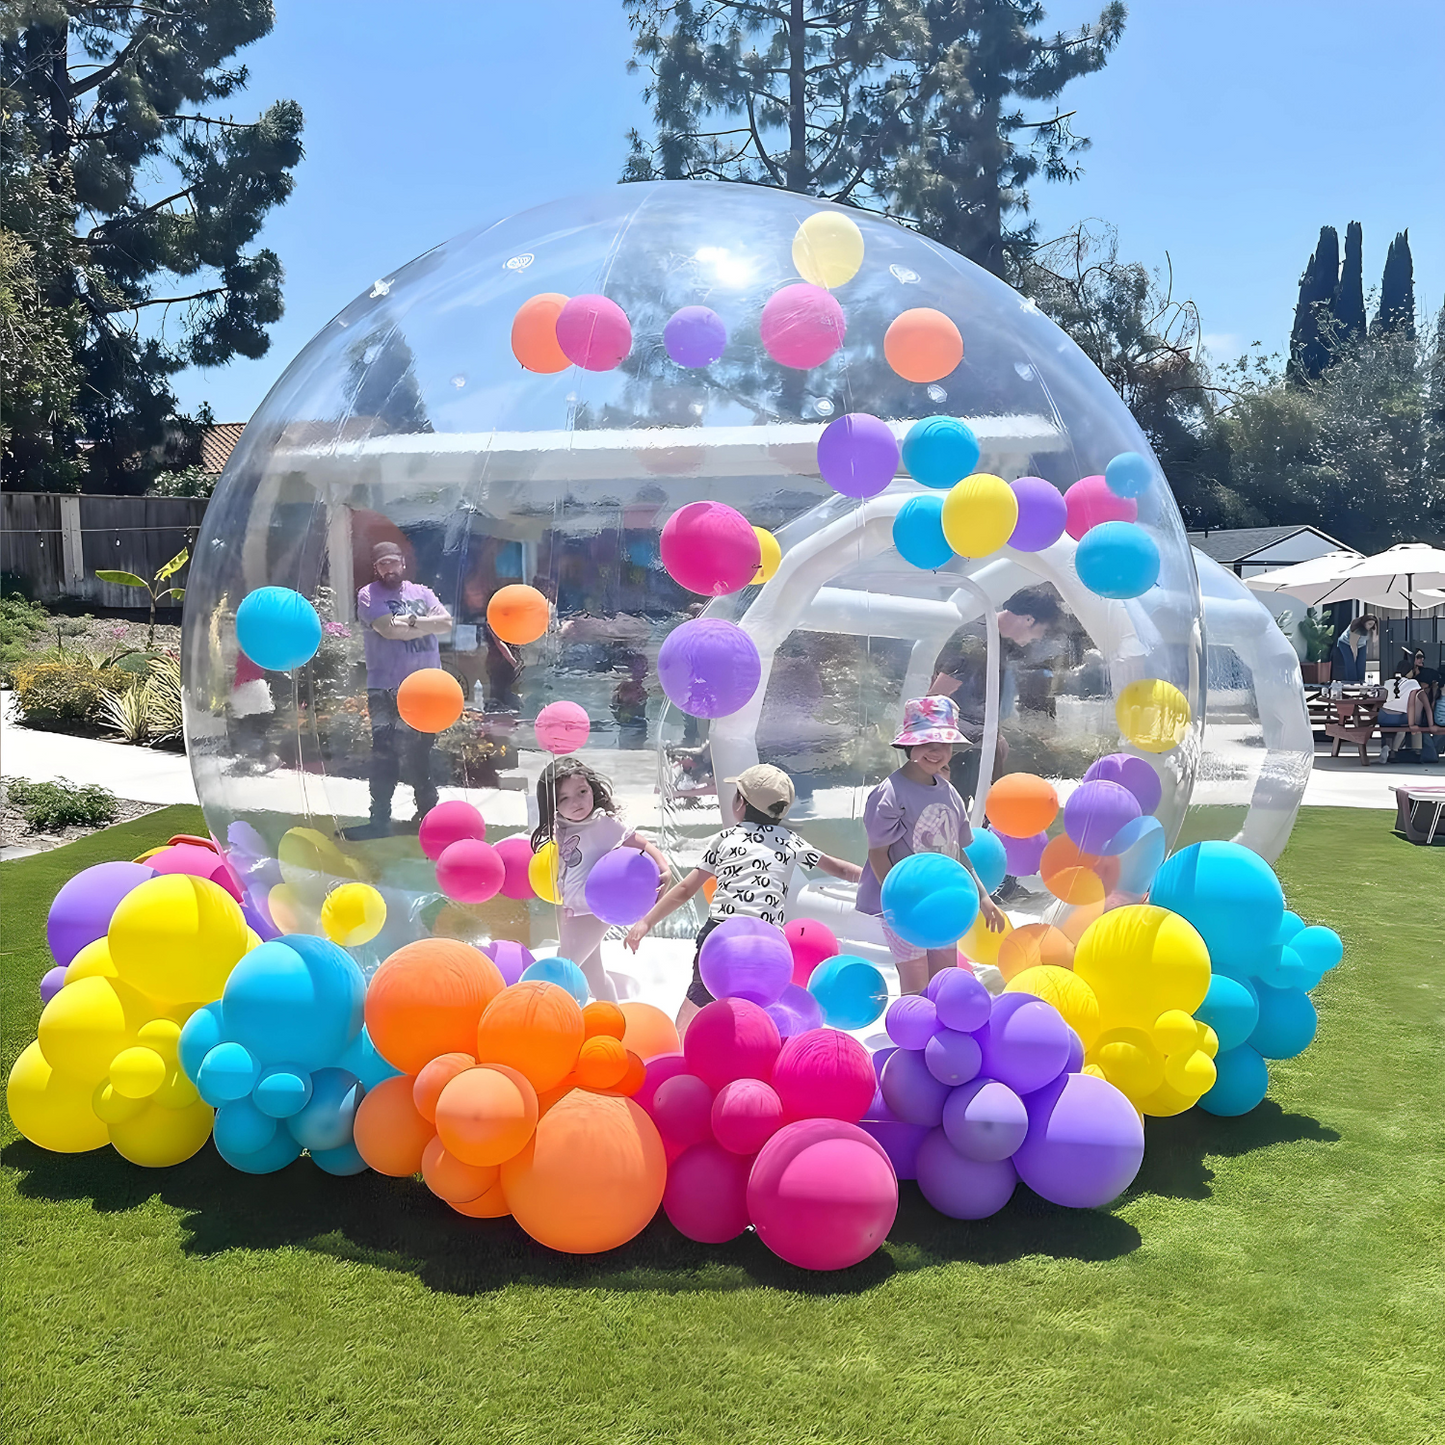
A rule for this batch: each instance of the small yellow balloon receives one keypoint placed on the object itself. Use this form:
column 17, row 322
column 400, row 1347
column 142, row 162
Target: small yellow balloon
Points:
column 136, row 1073
column 979, row 515
column 542, row 873
column 306, row 854
column 177, row 938
column 1152, row 714
column 178, row 1092
column 287, row 911
column 93, row 961
column 158, row 1137
column 86, row 1025
column 1068, row 993
column 163, row 1035
column 1176, row 1032
column 1208, row 1041
column 980, row 944
column 772, row 555
column 828, row 249
column 1130, row 1062
column 113, row 1107
column 353, row 914
column 52, row 1109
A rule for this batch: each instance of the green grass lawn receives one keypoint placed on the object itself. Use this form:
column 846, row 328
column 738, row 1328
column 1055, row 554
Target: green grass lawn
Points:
column 1272, row 1278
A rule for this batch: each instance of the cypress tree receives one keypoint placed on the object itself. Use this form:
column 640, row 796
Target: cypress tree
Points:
column 1348, row 308
column 1309, row 352
column 1397, row 289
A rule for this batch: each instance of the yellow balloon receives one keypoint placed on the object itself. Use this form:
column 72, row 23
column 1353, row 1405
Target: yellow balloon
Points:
column 1068, row 993
column 828, row 249
column 1176, row 1032
column 136, row 1073
column 980, row 944
column 542, row 873
column 1152, row 714
column 772, row 555
column 52, row 1109
column 87, row 1024
column 1191, row 1074
column 163, row 1035
column 178, row 1092
column 253, row 940
column 93, row 961
column 287, row 911
column 113, row 1107
column 177, row 938
column 1130, row 1062
column 353, row 913
column 307, row 855
column 1141, row 961
column 979, row 515
column 1208, row 1041
column 157, row 1137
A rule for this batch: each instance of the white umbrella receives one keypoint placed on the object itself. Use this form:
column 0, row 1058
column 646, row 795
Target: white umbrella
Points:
column 1377, row 581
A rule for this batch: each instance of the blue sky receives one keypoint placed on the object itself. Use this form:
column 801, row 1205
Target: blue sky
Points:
column 1226, row 132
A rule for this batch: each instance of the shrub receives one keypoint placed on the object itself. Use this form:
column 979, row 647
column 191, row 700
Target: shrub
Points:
column 149, row 710
column 20, row 621
column 67, row 694
column 61, row 804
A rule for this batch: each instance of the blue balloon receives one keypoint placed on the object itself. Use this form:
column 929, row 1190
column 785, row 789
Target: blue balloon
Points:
column 362, row 1059
column 1319, row 949
column 989, row 860
column 241, row 1128
column 939, row 451
column 277, row 1154
column 344, row 1160
column 282, row 1090
column 1241, row 1081
column 1230, row 895
column 849, row 990
column 1128, row 475
column 1284, row 968
column 1117, row 559
column 929, row 900
column 918, row 533
column 199, row 1035
column 561, row 971
column 1290, row 924
column 1141, row 846
column 325, row 1122
column 227, row 1072
column 278, row 629
column 1287, row 1022
column 1231, row 1009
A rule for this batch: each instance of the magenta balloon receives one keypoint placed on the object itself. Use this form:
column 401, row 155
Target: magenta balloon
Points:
column 593, row 332
column 742, row 958
column 470, row 871
column 857, row 455
column 1042, row 514
column 695, row 336
column 796, row 1011
column 707, row 1193
column 622, row 886
column 1132, row 773
column 824, row 1074
column 1095, row 812
column 516, row 855
column 1023, row 855
column 562, row 727
column 963, row 1003
column 80, row 912
column 962, row 1188
column 449, row 823
column 745, row 1115
column 802, row 326
column 952, row 1058
column 1085, row 1142
column 1089, row 502
column 985, row 1120
column 1026, row 1043
column 708, row 667
column 911, row 1021
column 512, row 959
column 710, row 548
column 910, row 1090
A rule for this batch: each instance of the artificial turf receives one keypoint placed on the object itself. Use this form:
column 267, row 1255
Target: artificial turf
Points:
column 1272, row 1278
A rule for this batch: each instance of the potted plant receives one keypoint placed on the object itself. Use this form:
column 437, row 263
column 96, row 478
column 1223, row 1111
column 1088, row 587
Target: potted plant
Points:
column 1318, row 633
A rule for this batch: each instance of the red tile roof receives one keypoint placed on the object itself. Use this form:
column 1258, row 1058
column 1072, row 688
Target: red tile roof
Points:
column 217, row 444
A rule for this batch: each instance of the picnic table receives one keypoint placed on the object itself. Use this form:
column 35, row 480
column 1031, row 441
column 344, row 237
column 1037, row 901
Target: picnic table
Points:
column 1354, row 718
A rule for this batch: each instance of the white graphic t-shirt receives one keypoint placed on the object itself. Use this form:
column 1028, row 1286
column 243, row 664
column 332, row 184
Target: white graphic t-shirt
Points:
column 752, row 863
column 579, row 846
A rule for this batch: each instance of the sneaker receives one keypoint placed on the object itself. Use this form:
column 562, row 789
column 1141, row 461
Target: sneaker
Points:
column 366, row 832
column 1384, row 754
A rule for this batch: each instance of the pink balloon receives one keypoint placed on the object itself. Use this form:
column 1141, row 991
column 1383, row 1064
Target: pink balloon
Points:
column 516, row 855
column 470, row 871
column 707, row 1193
column 811, row 943
column 824, row 1074
column 563, row 727
column 802, row 326
column 656, row 1072
column 199, row 862
column 710, row 548
column 1090, row 501
column 682, row 1110
column 745, row 1115
column 731, row 1039
column 449, row 823
column 593, row 332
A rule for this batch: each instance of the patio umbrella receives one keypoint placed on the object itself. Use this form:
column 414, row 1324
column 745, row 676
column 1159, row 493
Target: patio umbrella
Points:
column 1377, row 581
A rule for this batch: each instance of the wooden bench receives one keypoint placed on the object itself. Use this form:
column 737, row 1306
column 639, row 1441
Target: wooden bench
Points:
column 1356, row 720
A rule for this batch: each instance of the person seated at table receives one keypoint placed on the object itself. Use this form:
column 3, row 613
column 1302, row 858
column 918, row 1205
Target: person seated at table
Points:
column 1404, row 710
column 1432, row 686
column 1348, row 658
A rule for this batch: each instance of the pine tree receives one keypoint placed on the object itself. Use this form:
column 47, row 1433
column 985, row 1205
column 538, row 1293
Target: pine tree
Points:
column 1309, row 349
column 1348, row 305
column 164, row 198
column 1397, row 289
column 1435, row 425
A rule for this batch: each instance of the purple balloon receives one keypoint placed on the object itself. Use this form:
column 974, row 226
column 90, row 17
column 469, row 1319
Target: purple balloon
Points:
column 1096, row 811
column 622, row 885
column 900, row 1139
column 1085, row 1142
column 257, row 921
column 796, row 1011
column 512, row 959
column 708, row 667
column 911, row 1021
column 1132, row 773
column 985, row 1120
column 1026, row 1043
column 1024, row 855
column 52, row 983
column 880, row 1058
column 857, row 455
column 81, row 911
column 962, row 1188
column 913, row 1094
column 695, row 336
column 1042, row 514
column 748, row 959
column 1076, row 1054
column 952, row 1058
column 963, row 1003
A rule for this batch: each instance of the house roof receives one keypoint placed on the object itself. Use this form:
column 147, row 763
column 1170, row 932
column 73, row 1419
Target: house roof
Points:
column 217, row 444
column 1229, row 545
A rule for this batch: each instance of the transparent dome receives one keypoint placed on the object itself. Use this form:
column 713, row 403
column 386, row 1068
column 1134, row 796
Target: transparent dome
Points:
column 408, row 419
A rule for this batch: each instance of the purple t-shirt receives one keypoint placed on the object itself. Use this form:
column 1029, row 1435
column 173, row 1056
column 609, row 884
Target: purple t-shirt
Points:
column 388, row 659
column 907, row 817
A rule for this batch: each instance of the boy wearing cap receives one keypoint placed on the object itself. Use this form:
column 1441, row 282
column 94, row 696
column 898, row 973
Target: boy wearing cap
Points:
column 752, row 861
column 917, row 810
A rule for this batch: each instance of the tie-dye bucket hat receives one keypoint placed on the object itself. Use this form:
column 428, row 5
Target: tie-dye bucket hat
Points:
column 929, row 720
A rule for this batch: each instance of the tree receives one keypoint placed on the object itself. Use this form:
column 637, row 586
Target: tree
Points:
column 1348, row 304
column 1435, row 408
column 1397, row 289
column 163, row 199
column 1309, row 342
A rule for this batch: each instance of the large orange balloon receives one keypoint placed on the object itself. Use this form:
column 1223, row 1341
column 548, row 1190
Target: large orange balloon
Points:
column 1021, row 804
column 649, row 1031
column 534, row 1027
column 492, row 1204
column 1033, row 945
column 426, row 999
column 486, row 1114
column 923, row 345
column 430, row 700
column 434, row 1077
column 591, row 1178
column 389, row 1133
column 453, row 1179
column 534, row 333
column 518, row 614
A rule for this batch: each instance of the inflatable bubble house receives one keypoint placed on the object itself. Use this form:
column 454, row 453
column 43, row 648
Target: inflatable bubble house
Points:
column 708, row 475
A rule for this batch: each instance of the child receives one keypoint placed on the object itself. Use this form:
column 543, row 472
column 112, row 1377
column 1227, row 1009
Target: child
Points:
column 917, row 810
column 752, row 863
column 577, row 813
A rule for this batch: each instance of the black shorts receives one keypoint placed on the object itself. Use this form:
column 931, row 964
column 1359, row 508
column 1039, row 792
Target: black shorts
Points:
column 697, row 990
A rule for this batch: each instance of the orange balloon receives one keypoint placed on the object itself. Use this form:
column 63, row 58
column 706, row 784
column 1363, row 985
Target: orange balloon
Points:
column 1021, row 804
column 591, row 1178
column 547, row 1098
column 389, row 1133
column 601, row 1017
column 534, row 1027
column 1079, row 918
column 601, row 1063
column 631, row 1081
column 451, row 1178
column 709, row 887
column 425, row 1000
column 486, row 1114
column 518, row 614
column 430, row 700
column 1032, row 945
column 1075, row 885
column 434, row 1077
column 490, row 1205
column 923, row 345
column 649, row 1031
column 534, row 333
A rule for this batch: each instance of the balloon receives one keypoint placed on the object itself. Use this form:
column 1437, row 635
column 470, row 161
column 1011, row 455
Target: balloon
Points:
column 51, row 982
column 857, row 455
column 353, row 914
column 911, row 1021
column 648, row 1032
column 1032, row 945
column 534, row 1027
column 849, row 990
column 1064, row 990
column 681, row 1107
column 1141, row 961
column 449, row 823
column 940, row 451
column 929, row 899
column 709, row 667
column 746, row 958
column 1287, row 1022
column 1230, row 894
column 278, row 629
column 486, row 1115
column 516, row 855
column 198, row 862
column 1128, row 475
column 979, row 515
column 601, row 1062
column 327, row 1120
column 389, row 1132
column 159, row 1137
column 433, row 1078
column 822, row 1194
column 81, row 911
column 1140, row 848
column 1025, row 1043
column 453, row 1179
column 426, row 999
column 470, row 871
column 1096, row 811
column 961, row 1186
column 279, row 1151
column 341, row 1162
column 1152, row 714
column 922, row 345
column 227, row 1072
column 1319, row 949
column 93, row 961
column 952, row 1058
column 801, row 326
column 1090, row 502
column 828, row 249
column 989, row 860
column 1241, row 1082
column 593, row 332
column 622, row 886
column 823, row 1074
column 1021, row 804
column 176, row 938
column 706, row 1197
column 1136, row 774
column 1084, row 1145
column 562, row 972
column 746, row 1114
column 563, row 727
column 542, row 873
column 1117, row 559
column 710, row 548
column 1042, row 514
column 534, row 333
column 910, row 1090
column 962, row 1002
column 1231, row 1009
column 796, row 1011
column 731, row 1039
column 981, row 944
column 50, row 1108
column 512, row 959
column 430, row 700
column 918, row 533
column 136, row 1073
column 985, row 1120
column 282, row 1090
column 518, row 614
column 695, row 336
column 1022, row 855
column 811, row 942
